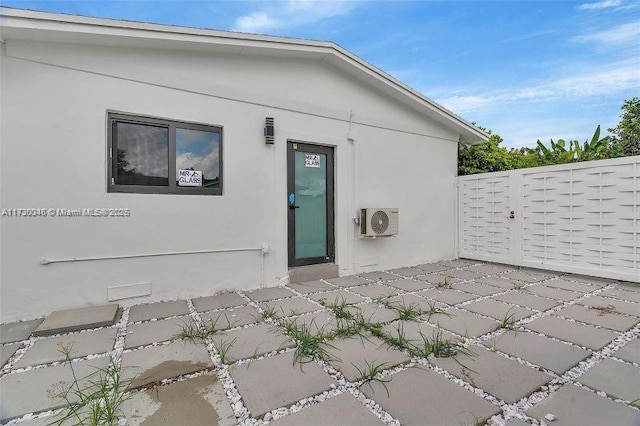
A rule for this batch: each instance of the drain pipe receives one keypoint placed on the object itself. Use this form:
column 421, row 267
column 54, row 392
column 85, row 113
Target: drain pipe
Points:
column 263, row 250
column 354, row 191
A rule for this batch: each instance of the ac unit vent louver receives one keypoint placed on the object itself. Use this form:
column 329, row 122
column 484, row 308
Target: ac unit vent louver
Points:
column 377, row 222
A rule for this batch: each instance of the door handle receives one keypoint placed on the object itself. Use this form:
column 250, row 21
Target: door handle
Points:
column 293, row 206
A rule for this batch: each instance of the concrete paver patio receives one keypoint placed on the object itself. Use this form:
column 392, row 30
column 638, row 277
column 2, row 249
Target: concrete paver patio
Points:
column 571, row 350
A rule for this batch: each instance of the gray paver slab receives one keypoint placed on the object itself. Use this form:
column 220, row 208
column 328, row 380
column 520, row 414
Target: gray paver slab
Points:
column 349, row 281
column 629, row 286
column 462, row 274
column 262, row 386
column 35, row 383
column 489, row 268
column 373, row 312
column 17, row 331
column 342, row 410
column 353, row 356
column 379, row 276
column 156, row 363
column 270, row 293
column 289, row 307
column 49, row 349
column 311, row 287
column 438, row 279
column 411, row 300
column 77, row 319
column 318, row 322
column 252, row 341
column 477, row 288
column 410, row 285
column 218, row 301
column 7, row 352
column 584, row 335
column 498, row 310
column 599, row 282
column 592, row 316
column 421, row 396
column 630, row 352
column 629, row 308
column 196, row 401
column 158, row 310
column 528, row 300
column 154, row 331
column 451, row 297
column 622, row 294
column 464, row 323
column 550, row 354
column 432, row 267
column 553, row 293
column 617, row 379
column 498, row 282
column 525, row 276
column 574, row 406
column 336, row 297
column 407, row 272
column 571, row 285
column 487, row 370
column 376, row 290
column 232, row 317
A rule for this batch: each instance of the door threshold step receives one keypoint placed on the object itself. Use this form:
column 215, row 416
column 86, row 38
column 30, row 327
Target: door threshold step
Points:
column 320, row 271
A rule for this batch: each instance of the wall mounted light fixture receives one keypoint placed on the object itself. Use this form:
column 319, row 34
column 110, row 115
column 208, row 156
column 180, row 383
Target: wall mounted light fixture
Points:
column 269, row 132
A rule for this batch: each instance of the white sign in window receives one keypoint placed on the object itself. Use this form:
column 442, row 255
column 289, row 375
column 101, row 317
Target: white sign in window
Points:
column 189, row 178
column 312, row 160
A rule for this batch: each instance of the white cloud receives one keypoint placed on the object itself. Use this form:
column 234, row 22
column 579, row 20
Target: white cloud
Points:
column 619, row 78
column 256, row 22
column 291, row 13
column 208, row 165
column 604, row 4
column 623, row 34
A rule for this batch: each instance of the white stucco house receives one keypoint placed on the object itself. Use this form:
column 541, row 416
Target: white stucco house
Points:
column 276, row 145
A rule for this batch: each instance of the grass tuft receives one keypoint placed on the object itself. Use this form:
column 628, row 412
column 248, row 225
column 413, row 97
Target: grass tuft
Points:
column 269, row 312
column 223, row 348
column 520, row 286
column 370, row 374
column 434, row 310
column 93, row 400
column 410, row 312
column 445, row 285
column 309, row 346
column 508, row 321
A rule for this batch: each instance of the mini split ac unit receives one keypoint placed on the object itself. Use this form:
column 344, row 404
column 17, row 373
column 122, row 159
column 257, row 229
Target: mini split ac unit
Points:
column 378, row 222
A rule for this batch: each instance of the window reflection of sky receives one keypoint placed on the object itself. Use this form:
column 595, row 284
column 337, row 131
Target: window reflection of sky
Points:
column 198, row 150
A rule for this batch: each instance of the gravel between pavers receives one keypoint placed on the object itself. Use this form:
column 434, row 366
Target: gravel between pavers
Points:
column 566, row 295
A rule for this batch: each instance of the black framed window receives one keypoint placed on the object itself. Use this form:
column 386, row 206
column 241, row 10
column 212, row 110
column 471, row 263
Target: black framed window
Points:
column 152, row 155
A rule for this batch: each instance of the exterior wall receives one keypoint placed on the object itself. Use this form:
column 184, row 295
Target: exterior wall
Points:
column 54, row 155
column 582, row 218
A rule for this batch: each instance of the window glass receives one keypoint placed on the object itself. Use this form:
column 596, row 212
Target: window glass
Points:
column 200, row 151
column 146, row 152
column 142, row 155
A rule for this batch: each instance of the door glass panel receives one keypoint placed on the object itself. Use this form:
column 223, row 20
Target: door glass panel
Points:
column 311, row 197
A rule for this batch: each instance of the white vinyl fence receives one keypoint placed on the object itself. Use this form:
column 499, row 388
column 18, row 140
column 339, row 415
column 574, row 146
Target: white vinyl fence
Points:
column 582, row 218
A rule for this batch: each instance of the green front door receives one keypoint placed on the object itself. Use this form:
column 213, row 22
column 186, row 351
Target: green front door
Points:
column 310, row 204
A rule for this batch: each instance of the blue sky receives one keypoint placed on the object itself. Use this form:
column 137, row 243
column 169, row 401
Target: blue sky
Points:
column 526, row 70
